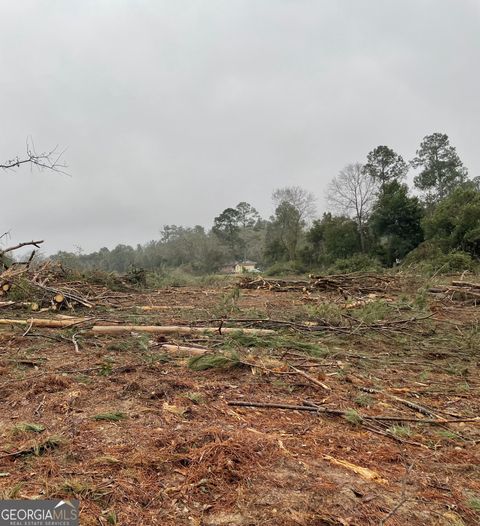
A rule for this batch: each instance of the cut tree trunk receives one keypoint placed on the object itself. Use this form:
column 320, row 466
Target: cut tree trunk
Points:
column 173, row 329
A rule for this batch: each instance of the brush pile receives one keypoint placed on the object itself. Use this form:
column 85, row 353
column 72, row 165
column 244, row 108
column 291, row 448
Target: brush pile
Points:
column 459, row 291
column 26, row 285
column 346, row 284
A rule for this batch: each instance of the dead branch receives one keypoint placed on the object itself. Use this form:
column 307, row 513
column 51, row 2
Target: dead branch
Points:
column 50, row 160
column 20, row 245
column 318, row 409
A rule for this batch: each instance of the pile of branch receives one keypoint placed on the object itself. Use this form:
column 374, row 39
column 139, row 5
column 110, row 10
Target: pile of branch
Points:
column 11, row 270
column 459, row 291
column 34, row 283
column 346, row 284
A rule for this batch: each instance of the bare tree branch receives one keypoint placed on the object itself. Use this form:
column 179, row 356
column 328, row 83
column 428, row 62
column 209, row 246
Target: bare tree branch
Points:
column 51, row 160
column 352, row 192
column 298, row 197
column 20, row 245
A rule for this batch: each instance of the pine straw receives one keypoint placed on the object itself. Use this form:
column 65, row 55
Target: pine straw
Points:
column 214, row 459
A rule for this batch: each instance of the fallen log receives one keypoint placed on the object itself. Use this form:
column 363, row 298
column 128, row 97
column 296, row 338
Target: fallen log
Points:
column 174, row 329
column 466, row 284
column 121, row 329
column 184, row 349
column 44, row 322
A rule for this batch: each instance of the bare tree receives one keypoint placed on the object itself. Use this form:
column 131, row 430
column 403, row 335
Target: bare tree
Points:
column 352, row 192
column 302, row 200
column 50, row 160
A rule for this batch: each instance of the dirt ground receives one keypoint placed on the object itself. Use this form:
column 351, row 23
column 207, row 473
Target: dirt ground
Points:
column 142, row 438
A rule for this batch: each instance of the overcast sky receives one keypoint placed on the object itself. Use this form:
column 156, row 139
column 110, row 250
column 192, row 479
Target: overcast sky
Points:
column 174, row 110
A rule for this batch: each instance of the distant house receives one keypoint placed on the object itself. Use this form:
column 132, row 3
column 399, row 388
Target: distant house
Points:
column 237, row 267
column 245, row 266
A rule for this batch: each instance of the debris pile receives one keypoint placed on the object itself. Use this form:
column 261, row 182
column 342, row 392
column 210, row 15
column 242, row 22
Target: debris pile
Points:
column 345, row 284
column 459, row 291
column 47, row 286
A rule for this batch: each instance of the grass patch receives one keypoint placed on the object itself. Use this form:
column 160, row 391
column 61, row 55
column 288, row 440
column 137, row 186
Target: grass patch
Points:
column 274, row 341
column 106, row 368
column 326, row 312
column 81, row 490
column 39, row 449
column 136, row 343
column 353, row 417
column 157, row 358
column 83, row 379
column 445, row 433
column 474, row 504
column 364, row 400
column 11, row 493
column 373, row 311
column 180, row 278
column 196, row 398
column 401, row 431
column 26, row 427
column 112, row 518
column 121, row 346
column 114, row 416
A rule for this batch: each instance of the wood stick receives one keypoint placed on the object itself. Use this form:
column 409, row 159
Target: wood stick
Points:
column 310, row 378
column 416, row 407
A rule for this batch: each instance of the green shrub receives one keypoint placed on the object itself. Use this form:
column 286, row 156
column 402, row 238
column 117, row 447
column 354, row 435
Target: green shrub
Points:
column 429, row 258
column 285, row 268
column 356, row 263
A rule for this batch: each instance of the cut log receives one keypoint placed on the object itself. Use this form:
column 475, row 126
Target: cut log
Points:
column 173, row 329
column 43, row 322
column 183, row 349
column 59, row 298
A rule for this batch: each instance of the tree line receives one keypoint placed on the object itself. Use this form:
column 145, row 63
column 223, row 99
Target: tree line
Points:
column 373, row 218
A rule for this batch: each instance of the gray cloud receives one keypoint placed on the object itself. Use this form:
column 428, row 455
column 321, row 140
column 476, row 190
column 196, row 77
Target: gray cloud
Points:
column 172, row 111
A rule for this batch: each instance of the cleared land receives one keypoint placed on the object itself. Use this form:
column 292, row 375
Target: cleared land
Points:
column 138, row 426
